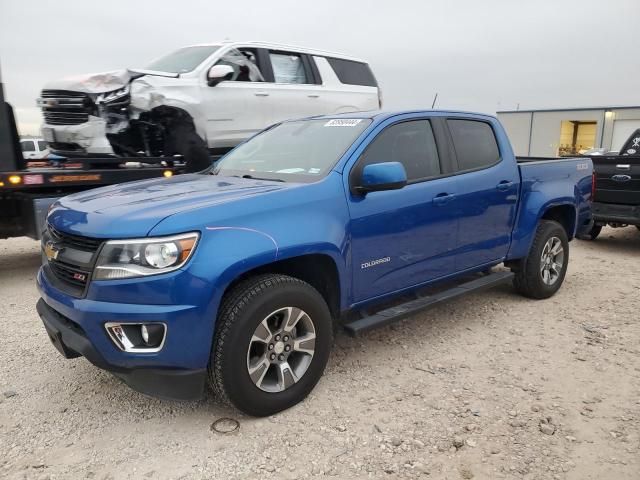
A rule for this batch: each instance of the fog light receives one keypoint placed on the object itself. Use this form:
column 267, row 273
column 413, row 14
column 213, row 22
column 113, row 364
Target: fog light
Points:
column 137, row 337
column 15, row 179
column 152, row 334
column 167, row 173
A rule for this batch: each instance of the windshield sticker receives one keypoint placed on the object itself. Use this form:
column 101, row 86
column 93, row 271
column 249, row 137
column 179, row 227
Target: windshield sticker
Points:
column 343, row 122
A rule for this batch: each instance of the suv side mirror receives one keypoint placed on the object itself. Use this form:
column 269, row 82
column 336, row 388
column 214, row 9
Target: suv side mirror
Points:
column 382, row 176
column 219, row 73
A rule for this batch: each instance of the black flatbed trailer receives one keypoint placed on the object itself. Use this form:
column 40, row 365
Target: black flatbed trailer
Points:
column 27, row 189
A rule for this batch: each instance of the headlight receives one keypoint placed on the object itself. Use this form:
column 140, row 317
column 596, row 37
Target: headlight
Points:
column 145, row 256
column 113, row 95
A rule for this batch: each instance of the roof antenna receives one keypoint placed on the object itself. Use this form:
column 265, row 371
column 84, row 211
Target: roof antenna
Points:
column 434, row 101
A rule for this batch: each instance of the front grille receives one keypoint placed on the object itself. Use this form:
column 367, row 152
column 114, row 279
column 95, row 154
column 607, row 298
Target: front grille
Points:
column 86, row 244
column 64, row 118
column 70, row 271
column 69, row 274
column 64, row 107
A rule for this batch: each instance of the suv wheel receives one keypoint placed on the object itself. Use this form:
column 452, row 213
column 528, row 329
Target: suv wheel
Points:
column 272, row 342
column 541, row 274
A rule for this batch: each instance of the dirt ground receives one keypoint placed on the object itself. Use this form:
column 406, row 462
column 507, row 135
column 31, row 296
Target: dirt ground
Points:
column 489, row 386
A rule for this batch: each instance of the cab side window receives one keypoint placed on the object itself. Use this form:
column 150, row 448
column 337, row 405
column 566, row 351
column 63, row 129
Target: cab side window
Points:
column 475, row 144
column 42, row 146
column 411, row 143
column 244, row 64
column 28, row 146
column 288, row 68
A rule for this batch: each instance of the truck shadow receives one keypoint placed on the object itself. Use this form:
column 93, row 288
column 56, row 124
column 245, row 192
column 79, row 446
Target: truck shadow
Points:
column 626, row 240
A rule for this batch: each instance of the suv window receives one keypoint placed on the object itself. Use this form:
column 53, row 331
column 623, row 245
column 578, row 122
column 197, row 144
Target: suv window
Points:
column 28, row 146
column 474, row 143
column 411, row 143
column 288, row 68
column 244, row 64
column 353, row 73
column 42, row 146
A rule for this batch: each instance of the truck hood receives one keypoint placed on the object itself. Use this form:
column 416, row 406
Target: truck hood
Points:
column 94, row 83
column 133, row 209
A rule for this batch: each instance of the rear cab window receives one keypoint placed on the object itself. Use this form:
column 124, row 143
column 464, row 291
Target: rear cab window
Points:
column 351, row 72
column 28, row 146
column 411, row 143
column 474, row 143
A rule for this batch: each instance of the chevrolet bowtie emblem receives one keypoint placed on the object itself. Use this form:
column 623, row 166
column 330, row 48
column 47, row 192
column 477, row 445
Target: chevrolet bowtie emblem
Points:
column 51, row 250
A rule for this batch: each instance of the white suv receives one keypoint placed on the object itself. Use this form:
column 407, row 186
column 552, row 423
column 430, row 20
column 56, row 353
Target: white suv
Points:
column 34, row 148
column 201, row 96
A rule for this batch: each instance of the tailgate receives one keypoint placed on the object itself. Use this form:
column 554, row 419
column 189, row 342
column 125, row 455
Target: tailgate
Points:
column 617, row 179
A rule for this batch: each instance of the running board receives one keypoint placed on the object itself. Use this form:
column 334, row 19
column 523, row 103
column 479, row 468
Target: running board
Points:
column 389, row 315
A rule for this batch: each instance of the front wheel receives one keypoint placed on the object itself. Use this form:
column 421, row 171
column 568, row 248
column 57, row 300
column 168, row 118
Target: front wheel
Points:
column 272, row 342
column 541, row 274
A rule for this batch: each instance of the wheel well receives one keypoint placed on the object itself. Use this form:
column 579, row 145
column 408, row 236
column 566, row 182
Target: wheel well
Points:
column 317, row 270
column 565, row 215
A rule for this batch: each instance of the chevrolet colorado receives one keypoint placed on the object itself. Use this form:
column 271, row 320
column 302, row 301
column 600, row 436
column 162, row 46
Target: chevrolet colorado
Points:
column 237, row 276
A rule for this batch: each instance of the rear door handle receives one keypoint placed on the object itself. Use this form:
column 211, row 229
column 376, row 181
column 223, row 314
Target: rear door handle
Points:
column 504, row 185
column 313, row 95
column 443, row 198
column 261, row 94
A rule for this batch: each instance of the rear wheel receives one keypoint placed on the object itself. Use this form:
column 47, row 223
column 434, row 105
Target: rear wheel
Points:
column 593, row 233
column 541, row 274
column 272, row 343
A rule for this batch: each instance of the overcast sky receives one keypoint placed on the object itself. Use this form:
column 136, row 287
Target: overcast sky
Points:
column 483, row 55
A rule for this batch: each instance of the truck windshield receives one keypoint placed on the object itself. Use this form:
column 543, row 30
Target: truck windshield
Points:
column 183, row 60
column 298, row 151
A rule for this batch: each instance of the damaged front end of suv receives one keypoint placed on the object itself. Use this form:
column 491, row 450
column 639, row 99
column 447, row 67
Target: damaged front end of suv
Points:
column 121, row 113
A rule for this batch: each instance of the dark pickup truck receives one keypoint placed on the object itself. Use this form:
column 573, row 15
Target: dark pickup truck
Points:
column 616, row 184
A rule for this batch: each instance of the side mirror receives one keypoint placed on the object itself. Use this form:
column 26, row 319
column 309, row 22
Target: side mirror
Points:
column 382, row 176
column 219, row 73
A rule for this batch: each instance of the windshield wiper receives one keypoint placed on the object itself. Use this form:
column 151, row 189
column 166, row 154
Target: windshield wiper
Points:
column 267, row 179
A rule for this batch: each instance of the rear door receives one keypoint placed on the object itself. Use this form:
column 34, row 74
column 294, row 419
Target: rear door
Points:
column 294, row 89
column 488, row 191
column 402, row 238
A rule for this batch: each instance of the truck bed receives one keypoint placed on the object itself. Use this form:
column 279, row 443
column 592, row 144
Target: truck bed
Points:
column 565, row 181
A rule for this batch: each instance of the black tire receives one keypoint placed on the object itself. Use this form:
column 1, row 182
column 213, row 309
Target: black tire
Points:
column 182, row 139
column 528, row 279
column 593, row 233
column 242, row 310
column 638, row 227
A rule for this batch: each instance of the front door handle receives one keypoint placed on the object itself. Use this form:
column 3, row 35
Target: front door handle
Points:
column 443, row 198
column 504, row 185
column 313, row 95
column 261, row 94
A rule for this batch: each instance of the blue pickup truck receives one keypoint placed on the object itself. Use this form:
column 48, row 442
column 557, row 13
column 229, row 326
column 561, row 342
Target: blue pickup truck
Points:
column 237, row 276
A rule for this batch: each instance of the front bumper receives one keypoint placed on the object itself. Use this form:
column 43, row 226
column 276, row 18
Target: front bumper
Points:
column 178, row 371
column 85, row 138
column 614, row 213
column 70, row 340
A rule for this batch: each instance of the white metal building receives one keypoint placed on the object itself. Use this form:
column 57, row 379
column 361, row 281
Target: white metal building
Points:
column 548, row 133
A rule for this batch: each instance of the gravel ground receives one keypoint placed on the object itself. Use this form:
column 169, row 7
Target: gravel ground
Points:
column 489, row 386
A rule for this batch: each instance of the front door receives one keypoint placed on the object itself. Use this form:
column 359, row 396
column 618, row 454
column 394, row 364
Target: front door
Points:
column 239, row 107
column 402, row 238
